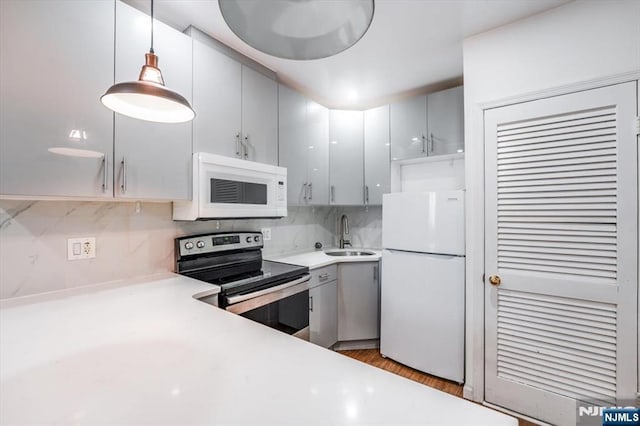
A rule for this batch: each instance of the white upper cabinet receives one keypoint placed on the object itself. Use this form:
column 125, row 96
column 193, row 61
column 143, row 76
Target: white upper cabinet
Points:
column 217, row 84
column 445, row 116
column 428, row 125
column 56, row 60
column 293, row 150
column 409, row 128
column 236, row 106
column 317, row 136
column 304, row 148
column 376, row 155
column 153, row 160
column 259, row 116
column 346, row 153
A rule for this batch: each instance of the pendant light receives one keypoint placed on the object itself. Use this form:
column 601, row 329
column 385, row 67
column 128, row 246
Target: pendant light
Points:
column 148, row 99
column 298, row 29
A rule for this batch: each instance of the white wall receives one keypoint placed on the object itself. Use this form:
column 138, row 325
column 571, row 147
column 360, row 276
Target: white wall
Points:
column 567, row 48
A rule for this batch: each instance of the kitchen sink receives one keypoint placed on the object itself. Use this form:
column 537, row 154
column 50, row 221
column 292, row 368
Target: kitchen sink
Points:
column 349, row 253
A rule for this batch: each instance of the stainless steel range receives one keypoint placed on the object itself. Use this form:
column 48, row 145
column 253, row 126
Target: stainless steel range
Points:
column 271, row 293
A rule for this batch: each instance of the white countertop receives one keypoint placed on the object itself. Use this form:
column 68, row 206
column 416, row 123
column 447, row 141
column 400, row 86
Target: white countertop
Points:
column 318, row 258
column 149, row 353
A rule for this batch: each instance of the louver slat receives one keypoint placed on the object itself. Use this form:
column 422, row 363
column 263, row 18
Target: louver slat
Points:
column 558, row 344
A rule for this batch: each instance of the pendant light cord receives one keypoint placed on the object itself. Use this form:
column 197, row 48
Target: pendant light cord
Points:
column 151, row 49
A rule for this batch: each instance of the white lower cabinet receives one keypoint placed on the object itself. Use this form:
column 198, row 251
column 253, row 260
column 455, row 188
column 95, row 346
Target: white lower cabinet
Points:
column 358, row 301
column 323, row 314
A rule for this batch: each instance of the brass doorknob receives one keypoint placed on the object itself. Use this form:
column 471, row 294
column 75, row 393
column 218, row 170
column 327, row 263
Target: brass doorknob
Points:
column 495, row 280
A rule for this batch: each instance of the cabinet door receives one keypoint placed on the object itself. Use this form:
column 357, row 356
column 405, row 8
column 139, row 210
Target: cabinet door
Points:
column 376, row 154
column 259, row 117
column 216, row 100
column 358, row 301
column 409, row 128
column 445, row 117
column 293, row 148
column 153, row 160
column 57, row 60
column 346, row 152
column 317, row 128
column 323, row 314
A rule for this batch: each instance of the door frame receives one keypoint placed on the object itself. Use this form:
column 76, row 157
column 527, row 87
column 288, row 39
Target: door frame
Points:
column 475, row 221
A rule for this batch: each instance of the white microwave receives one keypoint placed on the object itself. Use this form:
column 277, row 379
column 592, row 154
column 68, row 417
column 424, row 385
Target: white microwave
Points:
column 225, row 187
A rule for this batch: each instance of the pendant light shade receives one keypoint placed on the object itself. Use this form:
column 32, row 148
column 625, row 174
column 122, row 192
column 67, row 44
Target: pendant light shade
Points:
column 298, row 29
column 148, row 99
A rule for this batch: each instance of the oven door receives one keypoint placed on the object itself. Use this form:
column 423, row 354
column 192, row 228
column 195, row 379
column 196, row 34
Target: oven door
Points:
column 284, row 307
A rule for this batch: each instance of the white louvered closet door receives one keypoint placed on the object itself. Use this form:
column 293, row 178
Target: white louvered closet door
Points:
column 562, row 234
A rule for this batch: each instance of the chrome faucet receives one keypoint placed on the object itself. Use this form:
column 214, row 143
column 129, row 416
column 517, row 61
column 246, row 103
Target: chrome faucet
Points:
column 344, row 230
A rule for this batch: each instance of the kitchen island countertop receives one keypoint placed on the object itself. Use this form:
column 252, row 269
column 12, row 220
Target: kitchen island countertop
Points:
column 147, row 352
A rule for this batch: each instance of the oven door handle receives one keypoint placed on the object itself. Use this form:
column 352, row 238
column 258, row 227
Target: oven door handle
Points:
column 241, row 298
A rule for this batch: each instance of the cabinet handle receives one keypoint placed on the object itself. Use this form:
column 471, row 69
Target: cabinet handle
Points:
column 311, row 191
column 430, row 145
column 238, row 145
column 333, row 193
column 366, row 194
column 311, row 303
column 375, row 273
column 246, row 147
column 123, row 185
column 305, row 190
column 323, row 277
column 105, row 173
column 423, row 138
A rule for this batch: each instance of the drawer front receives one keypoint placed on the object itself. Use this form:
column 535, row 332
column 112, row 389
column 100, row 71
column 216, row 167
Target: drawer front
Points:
column 323, row 275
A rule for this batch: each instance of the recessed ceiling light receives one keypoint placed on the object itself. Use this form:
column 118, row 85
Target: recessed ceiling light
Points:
column 352, row 95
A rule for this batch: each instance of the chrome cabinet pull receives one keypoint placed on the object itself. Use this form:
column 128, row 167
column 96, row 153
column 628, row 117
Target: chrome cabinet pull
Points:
column 311, row 191
column 333, row 193
column 311, row 303
column 246, row 147
column 430, row 145
column 366, row 194
column 105, row 173
column 305, row 185
column 323, row 277
column 375, row 273
column 238, row 145
column 123, row 185
column 423, row 150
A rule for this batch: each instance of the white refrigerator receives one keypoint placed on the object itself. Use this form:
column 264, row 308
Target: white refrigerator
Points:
column 422, row 294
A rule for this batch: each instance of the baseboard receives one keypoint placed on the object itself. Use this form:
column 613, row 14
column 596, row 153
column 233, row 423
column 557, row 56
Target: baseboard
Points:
column 515, row 414
column 357, row 344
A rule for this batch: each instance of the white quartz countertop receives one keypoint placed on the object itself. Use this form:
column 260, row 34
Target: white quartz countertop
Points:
column 318, row 258
column 149, row 353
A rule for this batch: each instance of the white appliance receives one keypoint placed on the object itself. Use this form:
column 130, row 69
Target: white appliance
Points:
column 422, row 296
column 225, row 187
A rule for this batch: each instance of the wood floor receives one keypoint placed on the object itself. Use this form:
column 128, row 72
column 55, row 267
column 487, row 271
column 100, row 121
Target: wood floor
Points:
column 373, row 357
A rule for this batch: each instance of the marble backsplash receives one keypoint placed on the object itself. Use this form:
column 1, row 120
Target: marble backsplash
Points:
column 137, row 239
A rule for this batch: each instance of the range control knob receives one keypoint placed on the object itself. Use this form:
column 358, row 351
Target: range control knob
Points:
column 188, row 245
column 248, row 239
column 256, row 238
column 200, row 244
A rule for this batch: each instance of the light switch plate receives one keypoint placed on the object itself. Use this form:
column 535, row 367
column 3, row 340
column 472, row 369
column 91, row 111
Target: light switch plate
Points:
column 266, row 234
column 81, row 248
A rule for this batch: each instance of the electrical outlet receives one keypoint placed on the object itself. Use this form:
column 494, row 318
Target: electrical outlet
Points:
column 266, row 234
column 81, row 248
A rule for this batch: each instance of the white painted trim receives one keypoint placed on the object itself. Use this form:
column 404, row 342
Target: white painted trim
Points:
column 474, row 223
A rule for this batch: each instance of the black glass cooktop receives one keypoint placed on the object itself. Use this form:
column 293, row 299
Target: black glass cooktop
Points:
column 270, row 274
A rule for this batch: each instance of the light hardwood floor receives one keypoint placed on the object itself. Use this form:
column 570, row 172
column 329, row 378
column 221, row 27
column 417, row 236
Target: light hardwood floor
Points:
column 373, row 357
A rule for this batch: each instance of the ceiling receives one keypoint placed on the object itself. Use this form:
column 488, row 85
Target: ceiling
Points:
column 412, row 46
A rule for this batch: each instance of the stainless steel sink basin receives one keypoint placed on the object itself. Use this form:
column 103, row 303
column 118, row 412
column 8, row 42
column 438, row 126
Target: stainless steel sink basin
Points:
column 349, row 253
